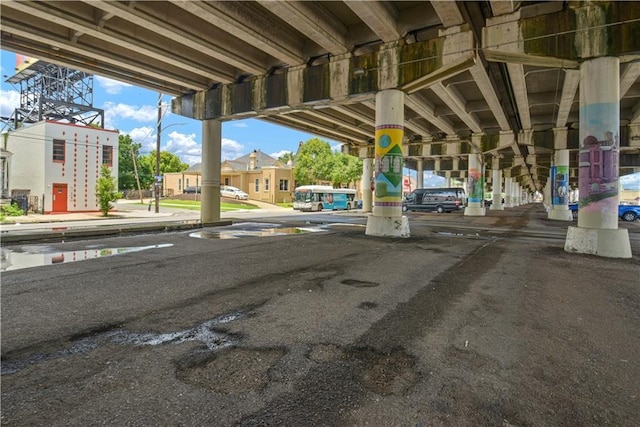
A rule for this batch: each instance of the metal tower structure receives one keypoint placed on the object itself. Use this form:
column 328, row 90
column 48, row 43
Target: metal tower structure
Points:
column 52, row 92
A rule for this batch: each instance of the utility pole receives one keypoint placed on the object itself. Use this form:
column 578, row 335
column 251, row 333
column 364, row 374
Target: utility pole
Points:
column 156, row 181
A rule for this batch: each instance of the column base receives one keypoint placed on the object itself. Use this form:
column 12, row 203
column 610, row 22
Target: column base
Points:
column 390, row 226
column 496, row 207
column 474, row 211
column 560, row 215
column 610, row 243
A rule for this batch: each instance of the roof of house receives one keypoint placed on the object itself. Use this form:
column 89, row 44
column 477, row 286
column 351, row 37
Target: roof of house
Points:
column 242, row 163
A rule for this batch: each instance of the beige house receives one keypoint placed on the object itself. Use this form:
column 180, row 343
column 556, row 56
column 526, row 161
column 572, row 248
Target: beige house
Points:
column 261, row 176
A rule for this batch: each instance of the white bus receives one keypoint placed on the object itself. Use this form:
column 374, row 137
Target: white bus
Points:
column 319, row 197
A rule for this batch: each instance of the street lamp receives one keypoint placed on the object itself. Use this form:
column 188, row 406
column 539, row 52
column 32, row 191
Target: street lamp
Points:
column 158, row 178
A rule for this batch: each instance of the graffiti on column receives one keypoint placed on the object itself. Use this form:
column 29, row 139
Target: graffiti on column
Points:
column 559, row 185
column 475, row 185
column 388, row 175
column 598, row 173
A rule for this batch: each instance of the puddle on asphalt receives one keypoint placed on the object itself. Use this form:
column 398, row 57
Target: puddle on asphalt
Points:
column 36, row 256
column 204, row 333
column 254, row 229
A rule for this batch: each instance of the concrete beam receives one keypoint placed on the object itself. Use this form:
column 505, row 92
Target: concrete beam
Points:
column 163, row 29
column 313, row 21
column 248, row 24
column 134, row 45
column 454, row 100
column 448, row 12
column 426, row 110
column 379, row 16
column 569, row 90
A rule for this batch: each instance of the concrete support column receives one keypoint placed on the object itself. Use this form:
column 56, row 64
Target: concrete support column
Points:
column 366, row 184
column 496, row 193
column 560, row 187
column 508, row 199
column 546, row 195
column 447, row 179
column 387, row 219
column 475, row 186
column 597, row 232
column 420, row 172
column 211, row 152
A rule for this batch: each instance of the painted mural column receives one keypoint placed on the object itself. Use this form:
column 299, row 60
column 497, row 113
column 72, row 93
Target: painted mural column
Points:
column 597, row 232
column 211, row 152
column 560, row 185
column 366, row 184
column 475, row 185
column 496, row 192
column 387, row 219
column 420, row 173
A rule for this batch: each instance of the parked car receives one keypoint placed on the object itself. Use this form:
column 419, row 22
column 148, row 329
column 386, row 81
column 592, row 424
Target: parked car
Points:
column 233, row 192
column 625, row 212
column 192, row 190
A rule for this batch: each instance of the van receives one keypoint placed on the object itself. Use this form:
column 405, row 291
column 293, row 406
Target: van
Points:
column 435, row 199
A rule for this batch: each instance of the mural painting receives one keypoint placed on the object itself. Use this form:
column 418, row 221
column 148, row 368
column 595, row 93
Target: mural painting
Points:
column 388, row 172
column 598, row 161
column 560, row 185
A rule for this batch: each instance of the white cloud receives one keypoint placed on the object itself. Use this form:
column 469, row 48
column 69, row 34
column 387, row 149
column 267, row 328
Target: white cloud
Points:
column 112, row 112
column 145, row 135
column 231, row 149
column 112, row 87
column 280, row 153
column 184, row 146
column 9, row 101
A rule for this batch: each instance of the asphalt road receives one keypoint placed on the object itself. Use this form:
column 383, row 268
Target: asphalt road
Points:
column 471, row 321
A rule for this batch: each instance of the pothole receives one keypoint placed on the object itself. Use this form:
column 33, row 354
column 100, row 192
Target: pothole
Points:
column 359, row 283
column 204, row 333
column 232, row 371
column 367, row 305
column 392, row 373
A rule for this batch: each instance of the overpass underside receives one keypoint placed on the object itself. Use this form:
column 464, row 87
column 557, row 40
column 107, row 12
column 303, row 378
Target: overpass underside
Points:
column 492, row 83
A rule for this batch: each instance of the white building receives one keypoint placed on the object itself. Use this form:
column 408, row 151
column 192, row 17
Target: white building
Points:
column 60, row 164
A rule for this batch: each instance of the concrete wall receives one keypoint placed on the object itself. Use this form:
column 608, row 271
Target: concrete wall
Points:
column 33, row 168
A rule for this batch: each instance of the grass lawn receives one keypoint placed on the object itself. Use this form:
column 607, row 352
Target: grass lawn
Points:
column 195, row 205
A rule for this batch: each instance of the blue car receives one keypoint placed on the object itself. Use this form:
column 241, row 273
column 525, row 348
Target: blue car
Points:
column 625, row 212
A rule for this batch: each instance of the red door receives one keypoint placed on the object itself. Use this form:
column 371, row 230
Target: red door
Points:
column 59, row 198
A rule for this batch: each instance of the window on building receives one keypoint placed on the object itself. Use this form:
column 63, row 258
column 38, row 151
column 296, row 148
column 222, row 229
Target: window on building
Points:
column 256, row 187
column 107, row 155
column 180, row 184
column 58, row 150
column 284, row 185
column 187, row 183
column 226, row 181
column 266, row 184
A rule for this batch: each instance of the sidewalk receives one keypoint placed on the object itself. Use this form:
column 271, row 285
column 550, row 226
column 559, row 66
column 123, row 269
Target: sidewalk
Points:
column 123, row 209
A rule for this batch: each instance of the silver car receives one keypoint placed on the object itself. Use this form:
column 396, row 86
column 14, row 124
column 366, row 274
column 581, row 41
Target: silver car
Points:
column 233, row 192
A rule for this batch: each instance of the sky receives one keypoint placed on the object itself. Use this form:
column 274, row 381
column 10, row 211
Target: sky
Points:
column 134, row 111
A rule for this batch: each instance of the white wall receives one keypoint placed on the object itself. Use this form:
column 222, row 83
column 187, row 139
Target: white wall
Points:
column 32, row 165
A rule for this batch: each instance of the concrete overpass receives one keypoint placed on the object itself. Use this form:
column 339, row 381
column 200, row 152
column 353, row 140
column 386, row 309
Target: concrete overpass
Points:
column 497, row 79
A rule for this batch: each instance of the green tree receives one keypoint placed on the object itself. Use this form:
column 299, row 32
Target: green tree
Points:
column 286, row 157
column 106, row 190
column 127, row 152
column 169, row 162
column 346, row 169
column 314, row 162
